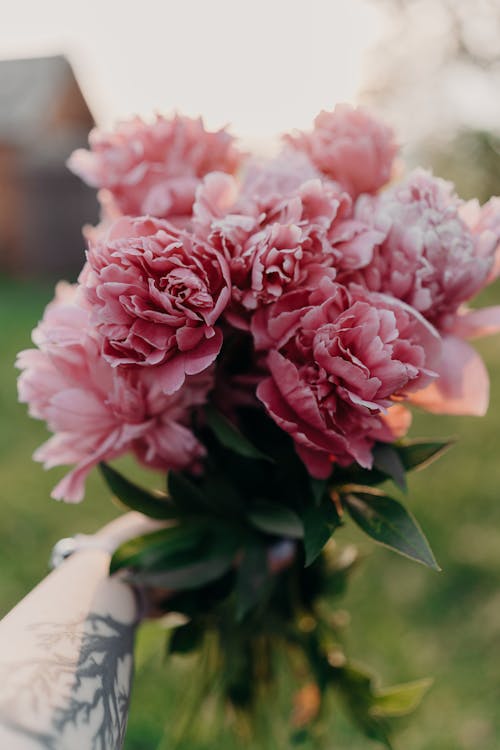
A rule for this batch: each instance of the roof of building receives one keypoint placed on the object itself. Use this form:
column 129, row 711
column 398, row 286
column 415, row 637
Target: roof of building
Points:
column 29, row 90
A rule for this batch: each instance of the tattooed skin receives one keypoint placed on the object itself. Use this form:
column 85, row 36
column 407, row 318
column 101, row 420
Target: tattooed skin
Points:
column 75, row 696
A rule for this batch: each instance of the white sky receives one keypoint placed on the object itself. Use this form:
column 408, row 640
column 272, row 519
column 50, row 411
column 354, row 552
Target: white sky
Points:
column 261, row 65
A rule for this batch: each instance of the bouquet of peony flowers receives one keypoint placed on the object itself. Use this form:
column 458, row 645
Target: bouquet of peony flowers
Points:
column 256, row 331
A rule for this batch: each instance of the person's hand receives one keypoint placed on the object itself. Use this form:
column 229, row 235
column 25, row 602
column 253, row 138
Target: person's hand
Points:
column 127, row 527
column 132, row 524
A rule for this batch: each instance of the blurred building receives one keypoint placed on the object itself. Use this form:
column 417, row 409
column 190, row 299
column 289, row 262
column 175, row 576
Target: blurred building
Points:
column 43, row 117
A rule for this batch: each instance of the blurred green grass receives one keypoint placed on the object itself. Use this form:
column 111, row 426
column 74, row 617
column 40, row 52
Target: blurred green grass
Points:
column 406, row 621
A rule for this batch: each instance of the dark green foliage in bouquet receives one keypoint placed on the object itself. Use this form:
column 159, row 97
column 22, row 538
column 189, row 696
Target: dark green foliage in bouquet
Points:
column 248, row 561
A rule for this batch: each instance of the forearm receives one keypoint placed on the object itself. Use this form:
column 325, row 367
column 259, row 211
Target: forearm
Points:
column 66, row 660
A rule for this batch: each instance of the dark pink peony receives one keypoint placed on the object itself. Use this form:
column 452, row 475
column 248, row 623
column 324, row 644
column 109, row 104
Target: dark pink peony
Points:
column 339, row 360
column 154, row 168
column 351, row 147
column 156, row 296
column 97, row 412
column 276, row 242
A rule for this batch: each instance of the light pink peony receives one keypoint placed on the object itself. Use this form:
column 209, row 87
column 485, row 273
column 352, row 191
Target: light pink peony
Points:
column 268, row 181
column 429, row 257
column 351, row 147
column 154, row 168
column 338, row 361
column 98, row 413
column 275, row 242
column 483, row 221
column 437, row 253
column 156, row 295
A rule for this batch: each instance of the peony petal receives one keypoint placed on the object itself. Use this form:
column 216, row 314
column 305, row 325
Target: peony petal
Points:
column 202, row 356
column 319, row 464
column 473, row 324
column 398, row 419
column 463, row 384
column 171, row 375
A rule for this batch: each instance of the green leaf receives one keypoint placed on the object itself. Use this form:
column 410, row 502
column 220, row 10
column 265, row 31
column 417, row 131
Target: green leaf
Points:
column 185, row 638
column 184, row 557
column 186, row 495
column 387, row 460
column 417, row 454
column 370, row 706
column 319, row 525
column 390, row 524
column 136, row 498
column 358, row 691
column 276, row 519
column 159, row 549
column 413, row 454
column 230, row 436
column 191, row 575
column 316, row 533
column 355, row 474
column 253, row 577
column 318, row 489
column 197, row 602
column 400, row 700
column 223, row 494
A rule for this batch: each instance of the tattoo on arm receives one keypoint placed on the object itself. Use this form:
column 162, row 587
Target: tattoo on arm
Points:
column 76, row 694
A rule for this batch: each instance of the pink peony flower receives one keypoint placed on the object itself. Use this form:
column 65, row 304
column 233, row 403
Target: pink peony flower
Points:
column 429, row 257
column 96, row 412
column 154, row 168
column 353, row 243
column 484, row 221
column 275, row 242
column 338, row 362
column 267, row 182
column 351, row 147
column 156, row 296
column 437, row 253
